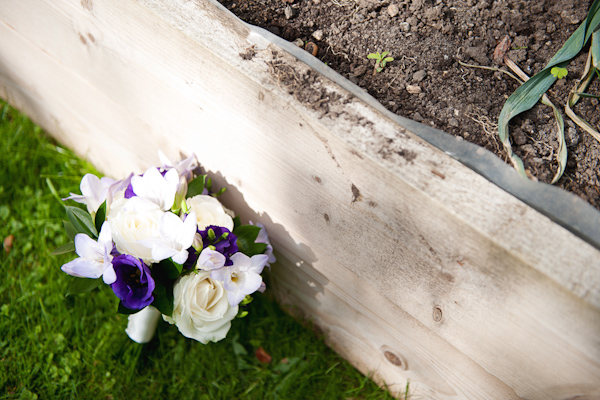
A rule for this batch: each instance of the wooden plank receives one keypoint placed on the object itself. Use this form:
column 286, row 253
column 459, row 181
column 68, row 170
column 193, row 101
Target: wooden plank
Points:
column 415, row 266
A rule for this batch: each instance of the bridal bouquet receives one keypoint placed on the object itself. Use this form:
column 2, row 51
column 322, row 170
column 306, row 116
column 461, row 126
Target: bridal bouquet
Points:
column 165, row 245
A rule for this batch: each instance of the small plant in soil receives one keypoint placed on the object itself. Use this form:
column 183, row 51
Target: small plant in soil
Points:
column 559, row 72
column 381, row 60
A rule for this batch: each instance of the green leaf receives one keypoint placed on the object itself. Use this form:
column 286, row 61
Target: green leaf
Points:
column 595, row 50
column 163, row 298
column 236, row 223
column 559, row 73
column 385, row 53
column 196, row 186
column 100, row 217
column 373, row 56
column 166, row 270
column 593, row 96
column 82, row 221
column 388, row 59
column 82, row 285
column 70, row 229
column 246, row 236
column 561, row 154
column 165, row 273
column 65, row 248
column 238, row 349
column 124, row 310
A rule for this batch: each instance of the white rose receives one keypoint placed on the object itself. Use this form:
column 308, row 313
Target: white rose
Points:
column 201, row 309
column 209, row 211
column 132, row 221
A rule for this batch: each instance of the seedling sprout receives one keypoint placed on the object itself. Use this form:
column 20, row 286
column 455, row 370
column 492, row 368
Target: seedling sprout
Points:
column 381, row 60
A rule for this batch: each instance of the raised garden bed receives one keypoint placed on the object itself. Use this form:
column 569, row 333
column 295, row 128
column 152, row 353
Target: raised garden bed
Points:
column 414, row 265
column 426, row 82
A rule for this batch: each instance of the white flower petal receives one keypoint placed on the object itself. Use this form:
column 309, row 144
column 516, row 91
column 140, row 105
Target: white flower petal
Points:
column 163, row 159
column 201, row 308
column 210, row 260
column 251, row 283
column 83, row 268
column 91, row 186
column 132, row 221
column 188, row 233
column 223, row 275
column 257, row 263
column 180, row 257
column 93, row 192
column 209, row 211
column 161, row 251
column 109, row 274
column 105, row 235
column 88, row 248
column 240, row 260
column 235, row 298
column 156, row 188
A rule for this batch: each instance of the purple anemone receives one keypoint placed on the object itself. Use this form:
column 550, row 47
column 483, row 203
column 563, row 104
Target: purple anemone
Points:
column 134, row 284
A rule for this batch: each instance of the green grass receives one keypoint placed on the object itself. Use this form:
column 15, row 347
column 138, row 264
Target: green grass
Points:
column 57, row 347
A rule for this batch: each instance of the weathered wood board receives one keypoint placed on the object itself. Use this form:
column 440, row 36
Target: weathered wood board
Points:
column 414, row 266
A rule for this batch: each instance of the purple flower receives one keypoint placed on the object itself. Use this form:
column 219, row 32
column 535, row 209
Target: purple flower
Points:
column 226, row 246
column 134, row 284
column 129, row 193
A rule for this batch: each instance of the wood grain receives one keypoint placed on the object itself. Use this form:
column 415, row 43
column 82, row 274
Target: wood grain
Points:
column 414, row 266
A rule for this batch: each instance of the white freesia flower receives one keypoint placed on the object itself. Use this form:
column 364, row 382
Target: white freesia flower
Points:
column 210, row 259
column 117, row 191
column 94, row 192
column 209, row 211
column 201, row 309
column 132, row 221
column 94, row 257
column 263, row 237
column 243, row 277
column 160, row 190
column 183, row 167
column 176, row 236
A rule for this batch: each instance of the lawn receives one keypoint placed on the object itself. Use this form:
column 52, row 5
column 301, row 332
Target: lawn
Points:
column 57, row 347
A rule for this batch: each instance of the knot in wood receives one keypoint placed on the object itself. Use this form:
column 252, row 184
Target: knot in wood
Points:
column 437, row 314
column 394, row 358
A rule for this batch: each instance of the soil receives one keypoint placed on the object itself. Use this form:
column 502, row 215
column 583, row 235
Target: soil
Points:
column 429, row 39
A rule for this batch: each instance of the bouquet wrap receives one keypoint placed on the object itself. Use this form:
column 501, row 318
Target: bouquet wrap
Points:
column 142, row 325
